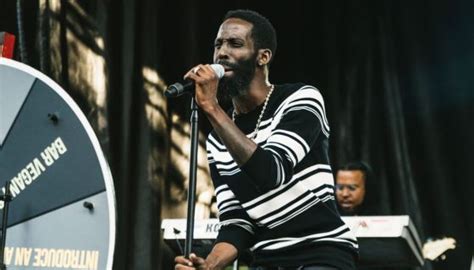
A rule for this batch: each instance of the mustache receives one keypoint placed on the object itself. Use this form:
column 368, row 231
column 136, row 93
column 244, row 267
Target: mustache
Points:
column 229, row 64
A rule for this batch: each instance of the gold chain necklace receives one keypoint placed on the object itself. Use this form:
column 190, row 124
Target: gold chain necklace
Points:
column 272, row 87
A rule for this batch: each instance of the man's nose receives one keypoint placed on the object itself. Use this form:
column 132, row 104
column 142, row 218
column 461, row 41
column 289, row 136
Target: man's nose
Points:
column 222, row 52
column 345, row 192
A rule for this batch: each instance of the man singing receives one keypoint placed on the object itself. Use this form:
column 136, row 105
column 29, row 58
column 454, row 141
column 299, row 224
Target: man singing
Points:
column 268, row 158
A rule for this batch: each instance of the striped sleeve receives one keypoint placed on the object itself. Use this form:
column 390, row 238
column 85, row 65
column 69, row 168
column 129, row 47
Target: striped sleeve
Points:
column 303, row 119
column 236, row 227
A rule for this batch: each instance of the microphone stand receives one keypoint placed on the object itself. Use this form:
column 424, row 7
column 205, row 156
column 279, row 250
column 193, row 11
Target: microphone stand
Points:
column 192, row 178
column 6, row 201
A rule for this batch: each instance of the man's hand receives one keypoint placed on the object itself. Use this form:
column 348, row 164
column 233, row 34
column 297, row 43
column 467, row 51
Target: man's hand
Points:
column 206, row 81
column 222, row 254
column 194, row 262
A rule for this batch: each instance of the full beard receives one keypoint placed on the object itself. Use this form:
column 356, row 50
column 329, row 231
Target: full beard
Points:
column 239, row 83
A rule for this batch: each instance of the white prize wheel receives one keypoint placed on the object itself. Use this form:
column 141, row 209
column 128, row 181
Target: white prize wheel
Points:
column 62, row 215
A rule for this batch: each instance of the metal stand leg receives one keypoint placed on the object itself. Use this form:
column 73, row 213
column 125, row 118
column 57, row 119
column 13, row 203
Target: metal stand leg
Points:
column 192, row 178
column 6, row 201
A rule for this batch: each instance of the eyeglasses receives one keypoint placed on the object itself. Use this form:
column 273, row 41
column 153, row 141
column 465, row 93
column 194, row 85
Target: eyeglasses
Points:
column 351, row 187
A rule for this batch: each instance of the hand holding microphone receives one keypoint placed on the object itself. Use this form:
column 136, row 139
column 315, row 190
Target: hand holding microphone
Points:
column 198, row 75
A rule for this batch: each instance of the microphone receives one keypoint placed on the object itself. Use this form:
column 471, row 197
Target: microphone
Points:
column 178, row 89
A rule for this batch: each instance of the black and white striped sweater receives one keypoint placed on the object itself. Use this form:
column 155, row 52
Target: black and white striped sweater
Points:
column 280, row 204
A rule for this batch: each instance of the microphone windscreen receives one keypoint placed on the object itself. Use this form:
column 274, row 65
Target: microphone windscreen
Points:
column 218, row 69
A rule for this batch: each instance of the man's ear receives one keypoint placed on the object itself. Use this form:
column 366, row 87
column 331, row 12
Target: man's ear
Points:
column 264, row 57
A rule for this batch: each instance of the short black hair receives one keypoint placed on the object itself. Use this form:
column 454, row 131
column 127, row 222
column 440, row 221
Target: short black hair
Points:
column 263, row 32
column 371, row 204
column 358, row 166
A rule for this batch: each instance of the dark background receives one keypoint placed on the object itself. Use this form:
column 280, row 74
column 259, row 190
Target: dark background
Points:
column 397, row 77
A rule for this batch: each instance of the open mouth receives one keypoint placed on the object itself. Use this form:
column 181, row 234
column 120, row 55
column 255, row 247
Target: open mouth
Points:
column 226, row 66
column 228, row 70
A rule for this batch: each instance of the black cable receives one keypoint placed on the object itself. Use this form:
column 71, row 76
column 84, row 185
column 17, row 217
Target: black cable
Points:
column 176, row 233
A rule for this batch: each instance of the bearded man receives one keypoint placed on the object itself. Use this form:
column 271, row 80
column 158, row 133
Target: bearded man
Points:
column 268, row 158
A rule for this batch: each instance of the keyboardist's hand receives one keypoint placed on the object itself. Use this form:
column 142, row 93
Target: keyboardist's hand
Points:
column 194, row 262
